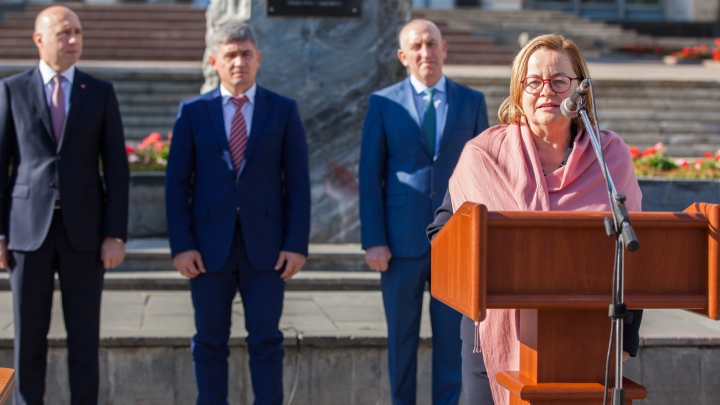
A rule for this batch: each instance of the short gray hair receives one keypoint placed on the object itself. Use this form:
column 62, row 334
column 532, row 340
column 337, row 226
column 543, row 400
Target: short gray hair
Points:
column 231, row 32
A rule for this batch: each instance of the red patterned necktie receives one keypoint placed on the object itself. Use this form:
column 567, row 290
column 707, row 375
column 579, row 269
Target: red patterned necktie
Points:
column 238, row 132
column 57, row 107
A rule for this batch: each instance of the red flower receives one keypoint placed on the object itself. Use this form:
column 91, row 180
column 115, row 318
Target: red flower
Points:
column 649, row 152
column 152, row 138
column 129, row 149
column 684, row 163
column 708, row 154
column 717, row 42
column 635, row 152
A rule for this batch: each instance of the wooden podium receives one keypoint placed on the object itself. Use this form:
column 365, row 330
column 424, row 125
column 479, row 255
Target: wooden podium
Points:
column 7, row 380
column 557, row 268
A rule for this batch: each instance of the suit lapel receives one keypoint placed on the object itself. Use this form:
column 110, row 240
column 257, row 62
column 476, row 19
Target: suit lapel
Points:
column 408, row 101
column 78, row 94
column 36, row 83
column 215, row 113
column 453, row 111
column 260, row 113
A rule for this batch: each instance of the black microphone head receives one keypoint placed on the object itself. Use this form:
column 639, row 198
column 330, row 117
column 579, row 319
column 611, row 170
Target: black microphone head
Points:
column 568, row 108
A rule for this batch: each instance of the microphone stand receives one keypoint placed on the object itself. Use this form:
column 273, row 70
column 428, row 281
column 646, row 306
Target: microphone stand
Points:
column 624, row 234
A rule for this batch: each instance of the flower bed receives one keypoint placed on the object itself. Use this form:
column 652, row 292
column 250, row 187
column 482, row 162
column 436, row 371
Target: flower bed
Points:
column 149, row 155
column 687, row 53
column 652, row 162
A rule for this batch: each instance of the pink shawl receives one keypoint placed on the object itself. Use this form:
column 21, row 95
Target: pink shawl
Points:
column 501, row 169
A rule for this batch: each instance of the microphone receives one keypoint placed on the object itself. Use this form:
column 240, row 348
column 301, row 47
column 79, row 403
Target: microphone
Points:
column 569, row 106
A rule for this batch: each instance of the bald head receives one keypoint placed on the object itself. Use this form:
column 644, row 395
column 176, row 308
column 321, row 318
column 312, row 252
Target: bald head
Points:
column 415, row 25
column 422, row 51
column 58, row 37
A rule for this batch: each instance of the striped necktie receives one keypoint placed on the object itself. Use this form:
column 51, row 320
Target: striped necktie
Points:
column 429, row 119
column 238, row 132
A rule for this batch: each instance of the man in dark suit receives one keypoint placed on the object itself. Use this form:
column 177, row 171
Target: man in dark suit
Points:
column 413, row 134
column 238, row 210
column 55, row 124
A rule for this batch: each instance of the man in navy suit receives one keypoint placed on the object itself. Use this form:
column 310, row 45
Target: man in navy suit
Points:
column 238, row 213
column 56, row 122
column 413, row 134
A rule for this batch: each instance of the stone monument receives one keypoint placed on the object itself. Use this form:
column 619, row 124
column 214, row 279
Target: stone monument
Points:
column 329, row 65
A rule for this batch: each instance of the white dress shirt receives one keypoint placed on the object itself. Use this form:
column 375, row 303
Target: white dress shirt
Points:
column 229, row 108
column 440, row 100
column 48, row 74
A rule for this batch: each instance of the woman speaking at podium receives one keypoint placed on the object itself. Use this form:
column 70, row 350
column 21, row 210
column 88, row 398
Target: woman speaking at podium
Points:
column 536, row 160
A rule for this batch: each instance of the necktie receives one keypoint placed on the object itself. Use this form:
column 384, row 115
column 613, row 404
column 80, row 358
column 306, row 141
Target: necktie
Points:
column 57, row 107
column 238, row 132
column 429, row 119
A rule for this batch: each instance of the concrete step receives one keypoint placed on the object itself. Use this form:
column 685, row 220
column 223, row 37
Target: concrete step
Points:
column 118, row 32
column 153, row 254
column 154, row 99
column 172, row 280
column 664, row 127
column 630, row 113
column 150, row 121
column 478, row 58
column 138, row 23
column 506, row 25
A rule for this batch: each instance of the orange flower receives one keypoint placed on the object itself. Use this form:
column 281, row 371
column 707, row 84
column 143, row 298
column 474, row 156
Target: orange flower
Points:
column 158, row 146
column 717, row 42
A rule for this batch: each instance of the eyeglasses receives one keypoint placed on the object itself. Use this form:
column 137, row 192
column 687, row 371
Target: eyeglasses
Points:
column 558, row 84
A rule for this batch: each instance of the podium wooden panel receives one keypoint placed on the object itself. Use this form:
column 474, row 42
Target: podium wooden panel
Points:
column 7, row 381
column 557, row 268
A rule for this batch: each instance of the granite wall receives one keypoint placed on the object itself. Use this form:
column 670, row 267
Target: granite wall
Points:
column 329, row 66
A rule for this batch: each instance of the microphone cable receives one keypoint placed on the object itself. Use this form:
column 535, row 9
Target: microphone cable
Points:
column 612, row 322
column 607, row 362
column 298, row 344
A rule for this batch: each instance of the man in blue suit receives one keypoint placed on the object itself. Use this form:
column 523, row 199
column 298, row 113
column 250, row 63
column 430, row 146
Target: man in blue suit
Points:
column 238, row 213
column 413, row 134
